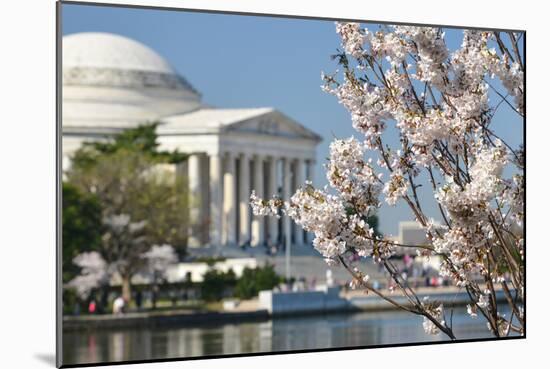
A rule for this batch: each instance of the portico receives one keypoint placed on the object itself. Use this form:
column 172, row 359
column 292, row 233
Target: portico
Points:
column 234, row 157
column 111, row 83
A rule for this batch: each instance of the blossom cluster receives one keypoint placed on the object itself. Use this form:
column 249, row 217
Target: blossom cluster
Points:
column 367, row 105
column 94, row 272
column 338, row 220
column 160, row 257
column 352, row 176
column 514, row 197
column 469, row 207
column 396, row 187
column 353, row 38
column 436, row 311
column 261, row 207
column 460, row 76
column 468, row 203
column 428, row 44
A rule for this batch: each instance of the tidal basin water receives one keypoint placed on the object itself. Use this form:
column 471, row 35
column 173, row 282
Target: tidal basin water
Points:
column 276, row 335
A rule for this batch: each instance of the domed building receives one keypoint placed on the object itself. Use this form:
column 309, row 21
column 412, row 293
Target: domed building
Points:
column 111, row 83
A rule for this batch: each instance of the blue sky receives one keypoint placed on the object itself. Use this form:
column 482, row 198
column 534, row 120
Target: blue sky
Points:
column 248, row 61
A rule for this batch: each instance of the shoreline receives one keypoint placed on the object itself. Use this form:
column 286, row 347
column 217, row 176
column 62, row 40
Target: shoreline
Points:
column 159, row 319
column 354, row 302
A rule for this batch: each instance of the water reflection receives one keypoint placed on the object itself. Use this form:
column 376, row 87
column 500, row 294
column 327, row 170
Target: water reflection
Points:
column 309, row 332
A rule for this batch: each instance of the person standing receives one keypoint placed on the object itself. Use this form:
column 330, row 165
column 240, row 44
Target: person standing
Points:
column 92, row 306
column 139, row 299
column 118, row 305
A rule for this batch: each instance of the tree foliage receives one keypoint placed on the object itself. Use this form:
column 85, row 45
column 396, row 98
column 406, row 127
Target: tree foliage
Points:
column 254, row 280
column 142, row 139
column 81, row 226
column 216, row 283
column 128, row 175
column 373, row 223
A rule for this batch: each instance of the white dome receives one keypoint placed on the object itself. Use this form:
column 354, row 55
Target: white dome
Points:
column 105, row 50
column 112, row 82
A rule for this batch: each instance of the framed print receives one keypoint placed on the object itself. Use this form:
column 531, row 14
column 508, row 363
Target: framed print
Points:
column 236, row 184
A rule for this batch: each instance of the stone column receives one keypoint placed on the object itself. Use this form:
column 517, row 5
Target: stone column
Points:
column 216, row 195
column 310, row 176
column 272, row 189
column 229, row 234
column 286, row 219
column 182, row 179
column 299, row 176
column 258, row 186
column 244, row 199
column 203, row 232
column 194, row 177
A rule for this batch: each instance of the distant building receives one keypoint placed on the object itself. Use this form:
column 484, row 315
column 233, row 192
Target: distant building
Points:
column 111, row 83
column 412, row 233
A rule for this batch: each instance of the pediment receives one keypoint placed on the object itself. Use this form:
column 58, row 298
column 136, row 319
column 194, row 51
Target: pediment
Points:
column 273, row 123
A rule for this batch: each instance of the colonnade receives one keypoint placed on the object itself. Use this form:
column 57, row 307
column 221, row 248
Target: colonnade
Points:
column 220, row 187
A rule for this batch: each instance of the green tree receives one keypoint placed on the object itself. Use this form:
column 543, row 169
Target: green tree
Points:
column 134, row 183
column 215, row 283
column 142, row 139
column 81, row 226
column 373, row 223
column 129, row 176
column 123, row 247
column 254, row 280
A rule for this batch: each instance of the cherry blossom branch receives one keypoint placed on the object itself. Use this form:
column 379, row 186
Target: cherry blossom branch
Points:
column 505, row 99
column 450, row 135
column 516, row 50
